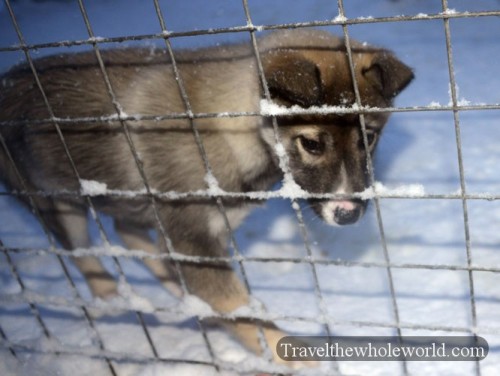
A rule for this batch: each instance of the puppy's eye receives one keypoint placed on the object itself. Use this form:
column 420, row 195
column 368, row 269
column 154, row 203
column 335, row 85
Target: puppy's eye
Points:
column 314, row 147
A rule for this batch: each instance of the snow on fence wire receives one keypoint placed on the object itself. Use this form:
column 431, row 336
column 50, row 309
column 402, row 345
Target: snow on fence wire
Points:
column 129, row 301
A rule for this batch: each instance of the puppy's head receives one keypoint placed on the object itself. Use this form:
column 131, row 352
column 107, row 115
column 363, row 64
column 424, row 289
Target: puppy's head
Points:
column 328, row 152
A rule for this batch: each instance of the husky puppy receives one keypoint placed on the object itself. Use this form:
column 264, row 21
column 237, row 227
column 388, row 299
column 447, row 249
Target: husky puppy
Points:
column 326, row 153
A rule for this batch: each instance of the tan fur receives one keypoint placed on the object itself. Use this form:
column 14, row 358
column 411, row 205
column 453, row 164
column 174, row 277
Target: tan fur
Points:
column 326, row 153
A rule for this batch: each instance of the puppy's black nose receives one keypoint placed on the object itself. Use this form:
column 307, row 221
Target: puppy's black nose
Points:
column 345, row 216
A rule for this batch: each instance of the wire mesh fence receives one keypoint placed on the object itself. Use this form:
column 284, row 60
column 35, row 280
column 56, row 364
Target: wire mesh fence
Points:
column 43, row 306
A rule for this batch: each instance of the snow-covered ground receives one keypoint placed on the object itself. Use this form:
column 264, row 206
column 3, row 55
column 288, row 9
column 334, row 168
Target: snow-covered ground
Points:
column 417, row 148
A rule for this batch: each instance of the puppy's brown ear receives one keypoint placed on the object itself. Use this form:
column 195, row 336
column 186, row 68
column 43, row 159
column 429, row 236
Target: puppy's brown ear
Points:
column 292, row 78
column 388, row 75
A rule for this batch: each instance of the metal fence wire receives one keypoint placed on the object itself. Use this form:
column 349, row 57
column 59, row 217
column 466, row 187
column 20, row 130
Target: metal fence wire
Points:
column 97, row 349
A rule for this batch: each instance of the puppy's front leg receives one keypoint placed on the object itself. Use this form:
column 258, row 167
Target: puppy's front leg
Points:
column 215, row 283
column 220, row 287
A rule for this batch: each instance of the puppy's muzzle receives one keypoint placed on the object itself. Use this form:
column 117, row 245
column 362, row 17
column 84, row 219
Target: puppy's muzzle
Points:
column 346, row 212
column 341, row 212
